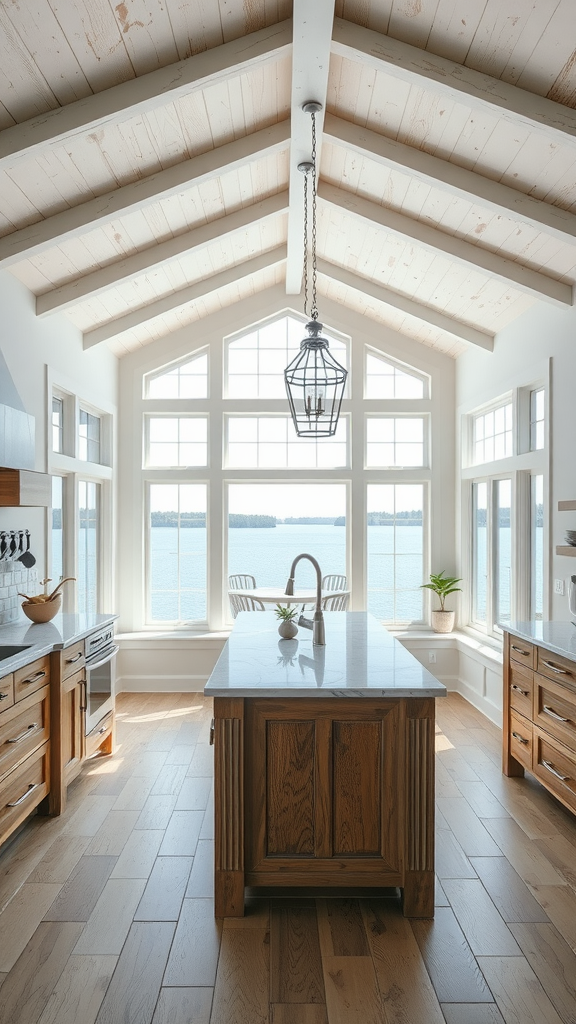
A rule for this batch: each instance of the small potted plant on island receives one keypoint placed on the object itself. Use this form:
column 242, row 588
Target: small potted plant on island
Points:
column 287, row 627
column 442, row 620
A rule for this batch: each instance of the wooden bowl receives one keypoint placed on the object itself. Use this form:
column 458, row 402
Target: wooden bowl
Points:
column 43, row 611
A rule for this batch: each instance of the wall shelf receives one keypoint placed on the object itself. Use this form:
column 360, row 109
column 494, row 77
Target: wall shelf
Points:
column 566, row 549
column 567, row 506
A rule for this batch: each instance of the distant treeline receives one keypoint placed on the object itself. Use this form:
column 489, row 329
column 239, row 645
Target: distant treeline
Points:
column 309, row 521
column 191, row 520
column 246, row 521
column 407, row 518
column 185, row 519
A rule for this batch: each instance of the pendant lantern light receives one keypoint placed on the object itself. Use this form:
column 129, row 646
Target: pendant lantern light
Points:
column 315, row 381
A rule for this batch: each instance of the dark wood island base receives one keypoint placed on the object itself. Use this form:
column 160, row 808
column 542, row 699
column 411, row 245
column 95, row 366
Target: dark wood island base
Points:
column 330, row 792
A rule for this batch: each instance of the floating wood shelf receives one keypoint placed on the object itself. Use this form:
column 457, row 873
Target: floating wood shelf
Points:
column 24, row 487
column 567, row 506
column 566, row 549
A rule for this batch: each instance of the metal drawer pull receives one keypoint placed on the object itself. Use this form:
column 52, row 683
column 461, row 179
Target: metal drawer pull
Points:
column 70, row 661
column 519, row 690
column 563, row 778
column 33, row 679
column 559, row 671
column 553, row 714
column 518, row 737
column 29, row 791
column 520, row 651
column 27, row 732
column 4, row 696
column 212, row 733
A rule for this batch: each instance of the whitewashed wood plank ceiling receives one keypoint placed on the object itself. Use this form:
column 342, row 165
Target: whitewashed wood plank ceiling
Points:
column 147, row 151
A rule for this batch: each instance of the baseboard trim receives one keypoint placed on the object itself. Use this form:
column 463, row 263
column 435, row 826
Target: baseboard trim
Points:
column 161, row 684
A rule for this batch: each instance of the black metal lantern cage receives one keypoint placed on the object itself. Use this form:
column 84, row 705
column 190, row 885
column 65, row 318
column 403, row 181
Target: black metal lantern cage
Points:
column 315, row 384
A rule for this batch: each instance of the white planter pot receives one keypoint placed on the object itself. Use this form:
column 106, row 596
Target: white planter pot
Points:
column 443, row 622
column 287, row 629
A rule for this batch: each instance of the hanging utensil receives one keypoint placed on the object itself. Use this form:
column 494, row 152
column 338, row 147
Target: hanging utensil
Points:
column 27, row 558
column 3, row 544
column 12, row 544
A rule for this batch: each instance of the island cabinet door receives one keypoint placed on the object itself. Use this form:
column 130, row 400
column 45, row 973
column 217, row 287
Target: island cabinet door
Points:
column 323, row 784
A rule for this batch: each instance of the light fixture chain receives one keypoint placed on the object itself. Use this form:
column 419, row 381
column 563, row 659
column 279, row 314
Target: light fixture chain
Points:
column 305, row 263
column 314, row 308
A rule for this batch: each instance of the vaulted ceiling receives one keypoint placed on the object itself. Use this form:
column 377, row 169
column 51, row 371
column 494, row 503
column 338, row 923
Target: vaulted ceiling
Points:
column 149, row 151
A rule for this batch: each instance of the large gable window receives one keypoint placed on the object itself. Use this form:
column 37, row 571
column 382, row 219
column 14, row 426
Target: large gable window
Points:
column 232, row 490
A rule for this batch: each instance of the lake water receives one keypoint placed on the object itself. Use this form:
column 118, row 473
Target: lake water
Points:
column 268, row 553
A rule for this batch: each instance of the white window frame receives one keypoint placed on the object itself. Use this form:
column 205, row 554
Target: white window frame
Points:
column 180, row 415
column 67, row 465
column 411, row 371
column 257, row 414
column 174, row 365
column 519, row 468
column 413, row 415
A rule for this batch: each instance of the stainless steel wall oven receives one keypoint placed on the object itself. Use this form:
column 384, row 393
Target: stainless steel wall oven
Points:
column 101, row 654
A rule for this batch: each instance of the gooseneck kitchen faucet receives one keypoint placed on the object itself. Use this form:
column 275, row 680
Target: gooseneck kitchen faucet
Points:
column 317, row 625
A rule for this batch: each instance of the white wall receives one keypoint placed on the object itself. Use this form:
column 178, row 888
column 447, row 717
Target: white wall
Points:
column 31, row 347
column 542, row 333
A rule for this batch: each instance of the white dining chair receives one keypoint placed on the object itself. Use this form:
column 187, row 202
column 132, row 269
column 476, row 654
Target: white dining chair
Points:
column 242, row 581
column 244, row 603
column 335, row 603
column 334, row 582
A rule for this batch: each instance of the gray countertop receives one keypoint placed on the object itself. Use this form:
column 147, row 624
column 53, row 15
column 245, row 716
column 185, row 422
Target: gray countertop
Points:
column 558, row 637
column 360, row 659
column 41, row 638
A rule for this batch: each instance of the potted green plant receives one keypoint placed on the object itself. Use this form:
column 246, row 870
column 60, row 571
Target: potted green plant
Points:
column 287, row 627
column 442, row 620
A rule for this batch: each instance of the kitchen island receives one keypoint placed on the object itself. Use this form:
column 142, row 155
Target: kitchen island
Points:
column 324, row 762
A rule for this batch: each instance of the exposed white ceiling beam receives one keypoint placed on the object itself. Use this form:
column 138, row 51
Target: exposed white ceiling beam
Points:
column 403, row 304
column 448, row 176
column 313, row 21
column 147, row 92
column 507, row 102
column 184, row 296
column 457, row 249
column 154, row 256
column 42, row 235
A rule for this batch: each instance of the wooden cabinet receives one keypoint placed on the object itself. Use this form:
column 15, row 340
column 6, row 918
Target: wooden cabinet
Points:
column 25, row 728
column 68, row 721
column 539, row 722
column 325, row 793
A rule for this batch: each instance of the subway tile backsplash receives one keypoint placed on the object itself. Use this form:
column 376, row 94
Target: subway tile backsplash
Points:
column 14, row 578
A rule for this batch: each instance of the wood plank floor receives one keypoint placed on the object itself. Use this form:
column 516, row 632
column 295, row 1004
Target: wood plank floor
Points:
column 106, row 913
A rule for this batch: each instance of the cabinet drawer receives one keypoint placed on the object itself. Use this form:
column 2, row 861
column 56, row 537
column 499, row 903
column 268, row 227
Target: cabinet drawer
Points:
column 521, row 681
column 555, row 710
column 96, row 737
column 72, row 659
column 555, row 667
column 521, row 739
column 23, row 728
column 6, row 692
column 33, row 677
column 522, row 652
column 555, row 766
column 23, row 789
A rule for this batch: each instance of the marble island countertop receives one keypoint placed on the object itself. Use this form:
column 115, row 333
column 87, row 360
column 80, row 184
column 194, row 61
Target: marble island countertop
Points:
column 360, row 659
column 40, row 638
column 557, row 637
